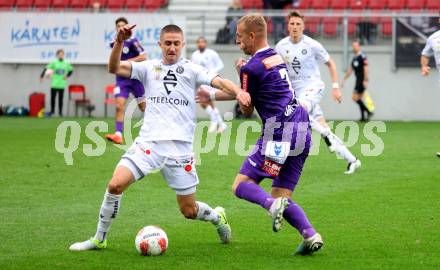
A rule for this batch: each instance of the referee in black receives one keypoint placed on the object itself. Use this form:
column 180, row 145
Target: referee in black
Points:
column 359, row 64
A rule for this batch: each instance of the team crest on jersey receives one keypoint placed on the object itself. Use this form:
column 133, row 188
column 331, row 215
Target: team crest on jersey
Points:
column 355, row 63
column 125, row 50
column 180, row 69
column 296, row 65
column 304, row 51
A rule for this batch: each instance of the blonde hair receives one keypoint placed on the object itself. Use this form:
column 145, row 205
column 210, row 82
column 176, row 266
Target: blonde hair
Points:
column 254, row 22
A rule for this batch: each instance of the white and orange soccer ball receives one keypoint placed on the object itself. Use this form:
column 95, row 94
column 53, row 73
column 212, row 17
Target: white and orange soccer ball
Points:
column 151, row 241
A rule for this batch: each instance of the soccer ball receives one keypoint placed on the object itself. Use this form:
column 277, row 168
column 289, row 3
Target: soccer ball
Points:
column 48, row 73
column 151, row 241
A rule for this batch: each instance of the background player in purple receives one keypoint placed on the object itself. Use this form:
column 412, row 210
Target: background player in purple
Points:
column 281, row 151
column 134, row 52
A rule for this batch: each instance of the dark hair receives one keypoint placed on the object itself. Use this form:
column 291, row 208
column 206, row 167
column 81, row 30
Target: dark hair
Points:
column 357, row 40
column 295, row 13
column 59, row 51
column 170, row 28
column 201, row 38
column 121, row 19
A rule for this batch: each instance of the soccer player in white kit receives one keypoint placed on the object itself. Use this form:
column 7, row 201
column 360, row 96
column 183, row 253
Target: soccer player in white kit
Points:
column 166, row 136
column 303, row 55
column 209, row 59
column 432, row 48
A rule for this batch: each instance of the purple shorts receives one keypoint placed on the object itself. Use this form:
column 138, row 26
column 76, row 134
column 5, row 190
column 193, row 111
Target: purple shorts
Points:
column 291, row 169
column 126, row 86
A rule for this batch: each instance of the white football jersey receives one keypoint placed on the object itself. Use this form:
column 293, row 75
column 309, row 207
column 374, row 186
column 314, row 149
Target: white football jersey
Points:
column 170, row 91
column 302, row 60
column 432, row 48
column 208, row 59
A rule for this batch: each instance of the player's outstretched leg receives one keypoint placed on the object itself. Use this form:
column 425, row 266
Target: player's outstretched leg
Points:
column 251, row 192
column 297, row 218
column 111, row 203
column 192, row 209
column 336, row 145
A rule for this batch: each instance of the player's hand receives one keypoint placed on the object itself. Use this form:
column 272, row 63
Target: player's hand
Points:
column 239, row 63
column 124, row 32
column 203, row 96
column 425, row 71
column 243, row 98
column 337, row 95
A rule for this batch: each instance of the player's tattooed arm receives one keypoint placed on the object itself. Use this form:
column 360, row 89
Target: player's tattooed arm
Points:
column 115, row 65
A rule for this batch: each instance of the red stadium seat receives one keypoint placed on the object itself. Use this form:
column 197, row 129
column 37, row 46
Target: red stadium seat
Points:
column 109, row 99
column 352, row 26
column 152, row 5
column 377, row 4
column 433, row 5
column 416, row 4
column 320, row 4
column 115, row 4
column 6, row 4
column 386, row 26
column 60, row 4
column 247, row 4
column 357, row 4
column 24, row 4
column 330, row 26
column 42, row 4
column 312, row 25
column 338, row 4
column 396, row 4
column 79, row 4
column 302, row 4
column 133, row 4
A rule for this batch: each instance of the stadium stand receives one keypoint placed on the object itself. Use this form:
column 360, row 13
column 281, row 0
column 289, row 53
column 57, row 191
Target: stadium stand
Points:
column 115, row 5
column 60, row 4
column 432, row 4
column 376, row 4
column 415, row 4
column 357, row 4
column 24, row 4
column 42, row 5
column 320, row 4
column 6, row 4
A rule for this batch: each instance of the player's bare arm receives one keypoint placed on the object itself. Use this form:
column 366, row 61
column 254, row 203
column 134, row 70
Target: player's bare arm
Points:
column 334, row 76
column 229, row 87
column 424, row 62
column 115, row 65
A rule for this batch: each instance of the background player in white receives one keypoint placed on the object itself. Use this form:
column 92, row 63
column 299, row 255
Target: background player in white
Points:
column 432, row 48
column 166, row 136
column 303, row 55
column 209, row 59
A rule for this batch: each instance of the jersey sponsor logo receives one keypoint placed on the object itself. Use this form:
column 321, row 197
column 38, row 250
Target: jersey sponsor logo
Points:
column 271, row 167
column 296, row 65
column 244, row 82
column 272, row 61
column 170, row 80
column 167, row 100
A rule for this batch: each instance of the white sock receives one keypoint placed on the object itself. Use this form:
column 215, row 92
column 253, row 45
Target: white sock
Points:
column 324, row 131
column 342, row 150
column 109, row 210
column 206, row 213
column 218, row 116
column 210, row 112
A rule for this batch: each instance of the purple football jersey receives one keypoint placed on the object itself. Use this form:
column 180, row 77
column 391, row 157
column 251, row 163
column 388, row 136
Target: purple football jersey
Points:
column 265, row 77
column 132, row 48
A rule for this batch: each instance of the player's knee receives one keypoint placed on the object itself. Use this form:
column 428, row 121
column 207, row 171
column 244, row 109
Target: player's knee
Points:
column 120, row 107
column 115, row 188
column 189, row 212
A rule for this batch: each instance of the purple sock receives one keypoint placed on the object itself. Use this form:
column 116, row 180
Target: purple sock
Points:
column 296, row 217
column 254, row 193
column 119, row 126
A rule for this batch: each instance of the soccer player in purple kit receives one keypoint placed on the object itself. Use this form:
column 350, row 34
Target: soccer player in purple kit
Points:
column 134, row 52
column 282, row 150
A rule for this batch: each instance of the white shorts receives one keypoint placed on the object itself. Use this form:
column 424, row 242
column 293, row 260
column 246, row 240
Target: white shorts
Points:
column 311, row 97
column 143, row 158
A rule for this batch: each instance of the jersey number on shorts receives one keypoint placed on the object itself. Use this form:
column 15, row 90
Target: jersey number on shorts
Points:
column 169, row 80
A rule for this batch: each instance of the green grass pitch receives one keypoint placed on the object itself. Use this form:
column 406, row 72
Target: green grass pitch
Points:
column 387, row 216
